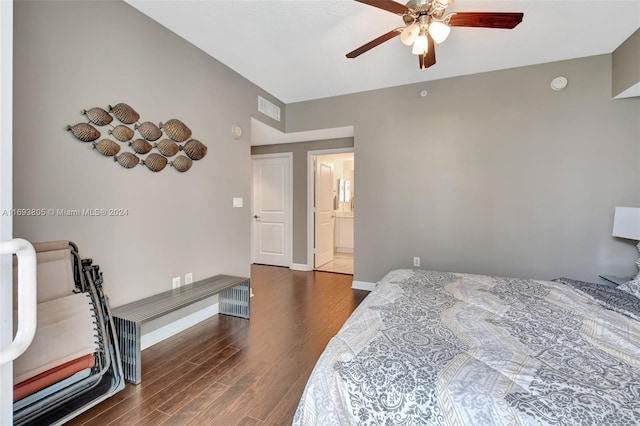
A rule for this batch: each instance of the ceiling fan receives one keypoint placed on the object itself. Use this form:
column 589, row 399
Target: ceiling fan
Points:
column 426, row 22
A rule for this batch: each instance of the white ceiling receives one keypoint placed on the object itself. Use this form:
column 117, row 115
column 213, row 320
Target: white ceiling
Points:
column 295, row 49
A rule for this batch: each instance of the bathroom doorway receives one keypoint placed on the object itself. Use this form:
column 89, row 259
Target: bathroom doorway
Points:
column 332, row 213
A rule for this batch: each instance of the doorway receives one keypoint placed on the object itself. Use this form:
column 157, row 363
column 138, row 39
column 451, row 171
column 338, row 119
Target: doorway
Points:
column 331, row 210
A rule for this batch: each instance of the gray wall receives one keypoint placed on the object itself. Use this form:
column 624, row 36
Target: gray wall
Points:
column 492, row 173
column 75, row 55
column 626, row 64
column 300, row 151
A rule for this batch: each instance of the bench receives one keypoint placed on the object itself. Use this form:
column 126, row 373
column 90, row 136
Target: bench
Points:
column 233, row 299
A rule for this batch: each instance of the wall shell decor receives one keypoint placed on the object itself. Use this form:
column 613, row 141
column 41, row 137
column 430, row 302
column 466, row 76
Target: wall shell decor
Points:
column 167, row 147
column 84, row 132
column 122, row 133
column 155, row 162
column 106, row 147
column 98, row 116
column 182, row 163
column 127, row 160
column 177, row 132
column 148, row 130
column 195, row 149
column 124, row 113
column 141, row 146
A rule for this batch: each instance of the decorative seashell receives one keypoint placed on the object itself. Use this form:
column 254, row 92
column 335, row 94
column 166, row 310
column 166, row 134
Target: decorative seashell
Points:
column 122, row 133
column 155, row 162
column 176, row 130
column 182, row 163
column 195, row 149
column 84, row 132
column 127, row 160
column 98, row 116
column 124, row 113
column 167, row 148
column 140, row 146
column 106, row 147
column 148, row 130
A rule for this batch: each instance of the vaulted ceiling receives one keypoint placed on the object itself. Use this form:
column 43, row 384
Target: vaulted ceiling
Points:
column 295, row 49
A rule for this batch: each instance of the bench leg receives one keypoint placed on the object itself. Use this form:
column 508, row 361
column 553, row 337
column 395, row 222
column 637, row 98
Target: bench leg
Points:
column 129, row 339
column 235, row 301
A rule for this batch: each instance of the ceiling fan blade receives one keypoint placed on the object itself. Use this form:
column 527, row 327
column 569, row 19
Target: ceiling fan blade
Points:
column 429, row 58
column 373, row 43
column 505, row 20
column 388, row 5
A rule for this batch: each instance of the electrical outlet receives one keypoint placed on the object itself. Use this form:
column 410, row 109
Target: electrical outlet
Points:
column 416, row 261
column 188, row 278
column 176, row 282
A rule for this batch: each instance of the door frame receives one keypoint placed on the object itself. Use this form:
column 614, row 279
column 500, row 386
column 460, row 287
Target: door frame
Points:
column 6, row 203
column 311, row 155
column 289, row 157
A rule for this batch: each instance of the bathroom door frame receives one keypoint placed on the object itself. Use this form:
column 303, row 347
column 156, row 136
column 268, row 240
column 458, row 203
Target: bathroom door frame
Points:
column 311, row 157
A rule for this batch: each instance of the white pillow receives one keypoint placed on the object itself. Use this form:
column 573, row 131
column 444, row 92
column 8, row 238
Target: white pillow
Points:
column 632, row 287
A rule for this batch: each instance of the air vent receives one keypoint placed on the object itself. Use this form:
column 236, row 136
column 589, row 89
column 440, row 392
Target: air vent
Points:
column 267, row 108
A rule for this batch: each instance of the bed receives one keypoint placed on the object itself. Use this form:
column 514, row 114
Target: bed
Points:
column 438, row 348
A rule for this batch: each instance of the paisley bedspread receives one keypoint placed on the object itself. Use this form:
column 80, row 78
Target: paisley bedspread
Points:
column 434, row 348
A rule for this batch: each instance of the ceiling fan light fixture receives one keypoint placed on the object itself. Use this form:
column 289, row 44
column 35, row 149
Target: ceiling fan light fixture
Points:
column 421, row 45
column 409, row 34
column 426, row 23
column 439, row 31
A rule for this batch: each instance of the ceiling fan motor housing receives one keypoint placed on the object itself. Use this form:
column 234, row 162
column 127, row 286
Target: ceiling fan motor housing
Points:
column 418, row 8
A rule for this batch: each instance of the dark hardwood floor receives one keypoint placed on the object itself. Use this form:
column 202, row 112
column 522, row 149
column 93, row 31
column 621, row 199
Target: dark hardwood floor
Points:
column 231, row 371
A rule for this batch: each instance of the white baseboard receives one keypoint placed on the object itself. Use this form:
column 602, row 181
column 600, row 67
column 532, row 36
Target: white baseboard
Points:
column 300, row 267
column 344, row 249
column 157, row 336
column 363, row 285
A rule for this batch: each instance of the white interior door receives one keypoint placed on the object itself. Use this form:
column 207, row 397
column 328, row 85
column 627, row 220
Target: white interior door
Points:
column 272, row 209
column 324, row 215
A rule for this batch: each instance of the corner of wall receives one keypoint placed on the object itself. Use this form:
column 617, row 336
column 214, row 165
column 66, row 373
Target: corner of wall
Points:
column 625, row 77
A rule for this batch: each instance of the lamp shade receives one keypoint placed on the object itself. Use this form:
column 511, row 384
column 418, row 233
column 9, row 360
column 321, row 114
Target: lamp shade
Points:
column 439, row 31
column 420, row 46
column 409, row 34
column 626, row 223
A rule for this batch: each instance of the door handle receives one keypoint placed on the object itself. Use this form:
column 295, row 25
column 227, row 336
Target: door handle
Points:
column 256, row 217
column 27, row 297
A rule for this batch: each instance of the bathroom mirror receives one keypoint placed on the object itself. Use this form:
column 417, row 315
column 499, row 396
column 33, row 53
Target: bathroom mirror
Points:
column 344, row 190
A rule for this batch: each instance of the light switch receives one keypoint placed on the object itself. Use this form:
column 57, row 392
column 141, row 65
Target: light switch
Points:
column 237, row 202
